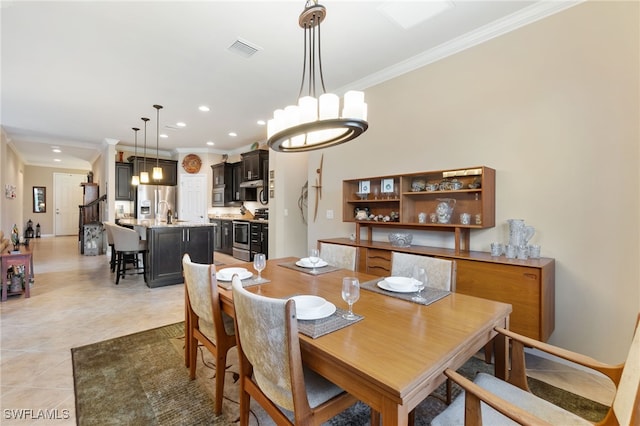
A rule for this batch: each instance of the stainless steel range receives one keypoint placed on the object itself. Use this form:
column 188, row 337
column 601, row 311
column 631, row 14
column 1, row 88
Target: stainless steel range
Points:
column 241, row 240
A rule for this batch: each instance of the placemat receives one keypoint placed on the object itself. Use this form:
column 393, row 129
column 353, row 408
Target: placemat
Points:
column 253, row 280
column 430, row 294
column 319, row 270
column 322, row 326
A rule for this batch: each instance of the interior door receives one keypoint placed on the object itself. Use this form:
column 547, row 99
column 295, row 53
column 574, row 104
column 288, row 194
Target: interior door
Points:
column 67, row 196
column 192, row 200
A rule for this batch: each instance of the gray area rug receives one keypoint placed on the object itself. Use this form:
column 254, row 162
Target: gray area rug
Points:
column 141, row 379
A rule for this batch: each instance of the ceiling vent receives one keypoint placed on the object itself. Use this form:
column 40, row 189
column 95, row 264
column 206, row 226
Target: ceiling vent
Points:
column 244, row 48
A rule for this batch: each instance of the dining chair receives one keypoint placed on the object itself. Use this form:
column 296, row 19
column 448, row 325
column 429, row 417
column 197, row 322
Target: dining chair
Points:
column 512, row 402
column 112, row 261
column 441, row 273
column 205, row 322
column 127, row 243
column 339, row 255
column 271, row 369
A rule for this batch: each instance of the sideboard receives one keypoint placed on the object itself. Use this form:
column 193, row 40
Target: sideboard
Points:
column 528, row 285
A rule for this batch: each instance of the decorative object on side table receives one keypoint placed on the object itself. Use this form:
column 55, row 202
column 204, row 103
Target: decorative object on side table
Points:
column 15, row 238
column 400, row 239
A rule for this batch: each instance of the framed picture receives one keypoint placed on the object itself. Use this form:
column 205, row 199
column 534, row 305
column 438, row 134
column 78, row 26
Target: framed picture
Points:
column 365, row 186
column 387, row 185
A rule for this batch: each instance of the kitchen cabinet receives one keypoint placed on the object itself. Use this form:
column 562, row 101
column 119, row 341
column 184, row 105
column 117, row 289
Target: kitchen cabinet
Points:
column 168, row 244
column 237, row 193
column 414, row 200
column 253, row 164
column 259, row 238
column 169, row 169
column 124, row 189
column 528, row 285
column 222, row 174
column 226, row 190
column 226, row 236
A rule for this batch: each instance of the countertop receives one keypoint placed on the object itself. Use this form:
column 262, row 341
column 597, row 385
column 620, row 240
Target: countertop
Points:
column 151, row 223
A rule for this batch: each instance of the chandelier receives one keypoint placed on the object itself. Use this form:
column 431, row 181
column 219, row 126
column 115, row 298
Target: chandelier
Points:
column 135, row 179
column 157, row 170
column 144, row 174
column 315, row 122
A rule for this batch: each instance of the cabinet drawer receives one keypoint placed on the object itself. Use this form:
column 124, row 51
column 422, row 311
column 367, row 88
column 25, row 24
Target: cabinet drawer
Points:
column 378, row 262
column 520, row 286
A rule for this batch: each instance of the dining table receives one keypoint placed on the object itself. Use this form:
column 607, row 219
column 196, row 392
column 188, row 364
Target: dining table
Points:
column 395, row 355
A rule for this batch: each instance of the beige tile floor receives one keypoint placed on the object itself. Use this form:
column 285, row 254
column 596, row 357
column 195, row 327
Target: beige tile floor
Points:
column 74, row 302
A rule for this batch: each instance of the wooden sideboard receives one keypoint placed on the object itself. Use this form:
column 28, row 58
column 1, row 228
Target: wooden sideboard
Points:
column 528, row 285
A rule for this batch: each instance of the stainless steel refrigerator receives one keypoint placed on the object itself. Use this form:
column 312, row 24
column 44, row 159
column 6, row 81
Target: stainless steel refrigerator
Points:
column 152, row 200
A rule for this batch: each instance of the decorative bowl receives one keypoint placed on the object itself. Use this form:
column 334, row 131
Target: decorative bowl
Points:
column 400, row 239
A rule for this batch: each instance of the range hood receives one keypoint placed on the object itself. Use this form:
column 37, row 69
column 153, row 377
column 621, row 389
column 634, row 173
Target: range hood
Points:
column 258, row 183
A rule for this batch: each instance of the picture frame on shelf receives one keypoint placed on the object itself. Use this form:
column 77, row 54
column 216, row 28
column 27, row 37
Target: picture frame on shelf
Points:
column 387, row 185
column 364, row 187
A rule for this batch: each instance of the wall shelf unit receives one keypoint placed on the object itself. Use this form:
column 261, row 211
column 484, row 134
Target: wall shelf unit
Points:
column 404, row 197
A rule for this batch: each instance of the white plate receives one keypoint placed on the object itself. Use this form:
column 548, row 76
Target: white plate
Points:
column 304, row 263
column 324, row 311
column 309, row 303
column 226, row 274
column 400, row 283
column 385, row 286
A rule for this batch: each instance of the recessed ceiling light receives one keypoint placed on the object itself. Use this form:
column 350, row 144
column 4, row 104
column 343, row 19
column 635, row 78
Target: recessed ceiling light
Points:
column 164, row 136
column 210, row 143
column 203, row 108
column 56, row 150
column 233, row 134
column 261, row 123
column 181, row 124
column 57, row 160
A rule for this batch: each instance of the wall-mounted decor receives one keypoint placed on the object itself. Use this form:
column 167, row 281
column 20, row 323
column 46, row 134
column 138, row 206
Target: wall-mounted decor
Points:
column 10, row 191
column 39, row 199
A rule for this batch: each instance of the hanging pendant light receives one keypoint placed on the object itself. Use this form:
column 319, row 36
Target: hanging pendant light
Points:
column 316, row 122
column 157, row 171
column 144, row 174
column 135, row 179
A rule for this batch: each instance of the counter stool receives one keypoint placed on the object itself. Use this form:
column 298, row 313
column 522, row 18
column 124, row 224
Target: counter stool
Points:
column 127, row 243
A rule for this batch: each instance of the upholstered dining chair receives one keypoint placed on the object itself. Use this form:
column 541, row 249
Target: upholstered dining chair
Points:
column 205, row 322
column 127, row 242
column 441, row 273
column 339, row 255
column 112, row 261
column 512, row 402
column 271, row 369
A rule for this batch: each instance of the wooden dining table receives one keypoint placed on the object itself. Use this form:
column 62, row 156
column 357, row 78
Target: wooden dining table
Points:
column 395, row 356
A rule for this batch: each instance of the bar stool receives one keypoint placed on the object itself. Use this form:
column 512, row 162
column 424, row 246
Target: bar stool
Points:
column 127, row 243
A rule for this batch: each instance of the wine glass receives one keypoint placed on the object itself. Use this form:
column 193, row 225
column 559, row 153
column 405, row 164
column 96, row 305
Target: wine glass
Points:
column 419, row 276
column 314, row 258
column 350, row 294
column 259, row 263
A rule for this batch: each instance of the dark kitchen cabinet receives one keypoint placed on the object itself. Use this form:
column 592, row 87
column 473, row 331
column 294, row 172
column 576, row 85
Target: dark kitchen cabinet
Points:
column 259, row 238
column 124, row 190
column 226, row 186
column 237, row 192
column 169, row 169
column 168, row 244
column 253, row 164
column 222, row 174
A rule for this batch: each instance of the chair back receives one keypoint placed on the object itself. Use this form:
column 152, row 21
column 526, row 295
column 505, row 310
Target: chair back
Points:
column 339, row 255
column 125, row 239
column 267, row 336
column 626, row 403
column 202, row 295
column 107, row 227
column 441, row 273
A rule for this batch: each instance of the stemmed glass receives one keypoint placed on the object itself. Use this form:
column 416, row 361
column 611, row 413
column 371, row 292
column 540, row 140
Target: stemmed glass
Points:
column 259, row 263
column 350, row 294
column 314, row 258
column 420, row 279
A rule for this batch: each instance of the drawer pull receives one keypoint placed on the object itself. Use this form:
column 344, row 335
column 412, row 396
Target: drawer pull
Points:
column 531, row 276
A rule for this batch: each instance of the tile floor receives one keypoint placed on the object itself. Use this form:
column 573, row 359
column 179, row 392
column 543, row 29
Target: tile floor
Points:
column 74, row 302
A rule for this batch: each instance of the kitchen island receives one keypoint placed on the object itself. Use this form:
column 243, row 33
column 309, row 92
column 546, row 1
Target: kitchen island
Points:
column 167, row 243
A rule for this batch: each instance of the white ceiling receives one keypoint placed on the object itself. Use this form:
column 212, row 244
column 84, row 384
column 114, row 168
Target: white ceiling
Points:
column 76, row 74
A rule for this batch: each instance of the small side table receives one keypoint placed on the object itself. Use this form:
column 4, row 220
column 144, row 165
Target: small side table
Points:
column 23, row 258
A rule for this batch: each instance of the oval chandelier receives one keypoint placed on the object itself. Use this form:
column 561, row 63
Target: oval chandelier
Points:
column 315, row 122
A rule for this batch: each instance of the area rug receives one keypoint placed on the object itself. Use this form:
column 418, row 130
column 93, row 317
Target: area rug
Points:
column 141, row 379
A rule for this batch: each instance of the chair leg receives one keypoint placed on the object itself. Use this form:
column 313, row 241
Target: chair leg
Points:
column 119, row 262
column 221, row 368
column 112, row 262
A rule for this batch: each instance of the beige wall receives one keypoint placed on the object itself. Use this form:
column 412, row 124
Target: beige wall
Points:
column 554, row 108
column 11, row 173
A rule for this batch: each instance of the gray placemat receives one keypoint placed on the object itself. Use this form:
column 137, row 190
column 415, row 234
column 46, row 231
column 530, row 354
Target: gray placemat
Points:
column 430, row 294
column 253, row 280
column 322, row 326
column 319, row 270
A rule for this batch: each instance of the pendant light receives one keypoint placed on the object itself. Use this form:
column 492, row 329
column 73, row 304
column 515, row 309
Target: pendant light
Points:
column 315, row 122
column 157, row 171
column 144, row 174
column 135, row 179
